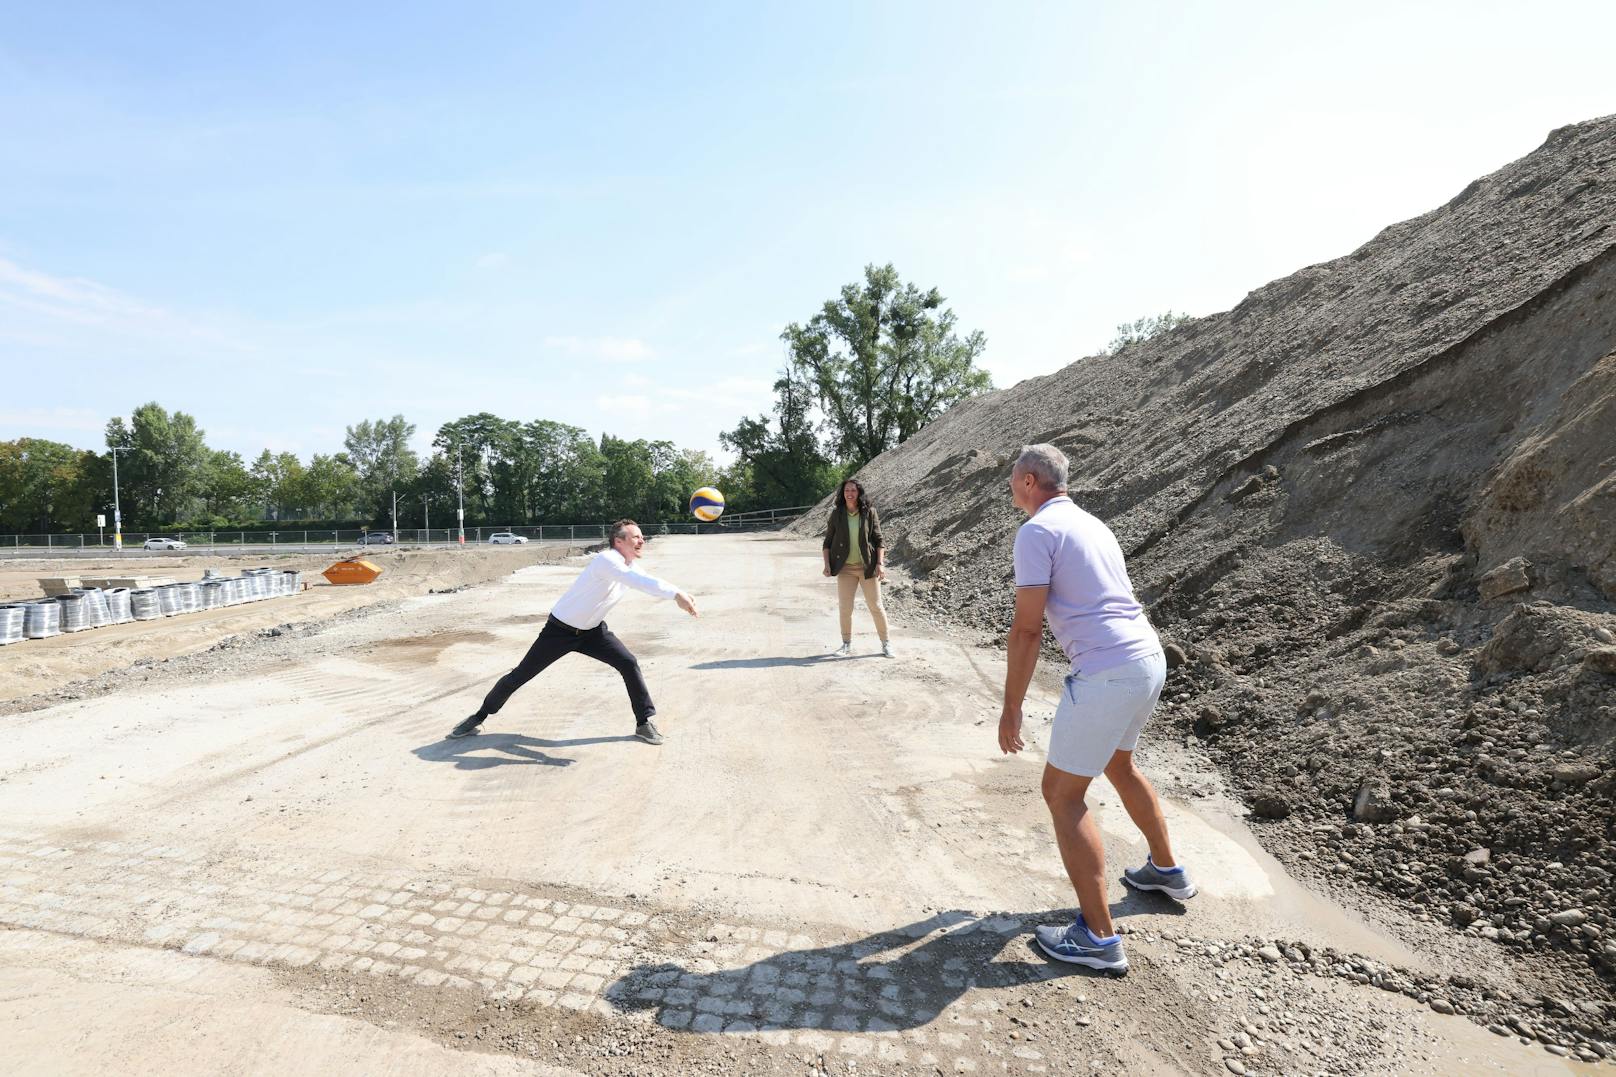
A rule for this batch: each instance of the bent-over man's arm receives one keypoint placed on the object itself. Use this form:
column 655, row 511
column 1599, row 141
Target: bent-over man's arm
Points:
column 1026, row 636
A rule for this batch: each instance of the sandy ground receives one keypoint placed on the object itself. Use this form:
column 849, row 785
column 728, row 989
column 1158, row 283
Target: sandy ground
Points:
column 827, row 868
column 34, row 666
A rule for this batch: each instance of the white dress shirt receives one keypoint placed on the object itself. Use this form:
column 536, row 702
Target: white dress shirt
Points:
column 593, row 594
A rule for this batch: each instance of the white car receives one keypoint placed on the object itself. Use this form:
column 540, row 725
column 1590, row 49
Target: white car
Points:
column 506, row 538
column 164, row 544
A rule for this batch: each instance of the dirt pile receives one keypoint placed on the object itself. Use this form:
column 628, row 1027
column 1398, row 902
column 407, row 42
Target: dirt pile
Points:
column 1373, row 505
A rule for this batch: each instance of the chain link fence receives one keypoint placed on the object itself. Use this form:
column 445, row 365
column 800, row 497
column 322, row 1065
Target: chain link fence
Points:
column 295, row 540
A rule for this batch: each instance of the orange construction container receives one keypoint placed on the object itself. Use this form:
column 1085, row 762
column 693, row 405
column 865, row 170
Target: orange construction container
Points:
column 353, row 570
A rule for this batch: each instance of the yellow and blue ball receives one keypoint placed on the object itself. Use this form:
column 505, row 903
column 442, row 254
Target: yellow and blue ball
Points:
column 707, row 504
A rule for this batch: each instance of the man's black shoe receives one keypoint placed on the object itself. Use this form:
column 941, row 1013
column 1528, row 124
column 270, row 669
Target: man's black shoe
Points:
column 466, row 728
column 648, row 733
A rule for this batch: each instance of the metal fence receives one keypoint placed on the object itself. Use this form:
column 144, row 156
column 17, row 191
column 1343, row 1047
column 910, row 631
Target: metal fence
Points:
column 294, row 540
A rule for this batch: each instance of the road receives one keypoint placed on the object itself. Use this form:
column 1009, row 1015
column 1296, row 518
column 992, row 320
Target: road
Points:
column 287, row 866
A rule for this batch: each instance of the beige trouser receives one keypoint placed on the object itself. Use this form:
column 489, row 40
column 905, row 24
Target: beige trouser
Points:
column 848, row 580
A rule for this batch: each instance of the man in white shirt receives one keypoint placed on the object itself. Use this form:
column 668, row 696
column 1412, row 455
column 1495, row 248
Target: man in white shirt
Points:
column 578, row 623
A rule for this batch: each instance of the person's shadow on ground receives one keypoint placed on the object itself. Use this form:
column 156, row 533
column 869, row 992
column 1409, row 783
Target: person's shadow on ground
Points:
column 853, row 987
column 511, row 748
column 784, row 660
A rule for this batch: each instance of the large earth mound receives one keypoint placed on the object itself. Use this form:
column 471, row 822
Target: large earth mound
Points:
column 1374, row 506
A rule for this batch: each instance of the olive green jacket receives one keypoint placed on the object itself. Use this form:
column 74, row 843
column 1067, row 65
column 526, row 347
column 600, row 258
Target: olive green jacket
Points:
column 870, row 539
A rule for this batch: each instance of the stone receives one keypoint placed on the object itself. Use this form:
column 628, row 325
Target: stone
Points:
column 1234, row 1067
column 1478, row 857
column 1600, row 660
column 1569, row 918
column 1373, row 804
column 1512, row 576
column 1270, row 805
column 1175, row 655
column 1604, row 635
column 1576, row 773
column 1271, row 954
column 1442, row 1006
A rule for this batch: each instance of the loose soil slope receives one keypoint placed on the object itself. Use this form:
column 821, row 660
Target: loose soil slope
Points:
column 1373, row 504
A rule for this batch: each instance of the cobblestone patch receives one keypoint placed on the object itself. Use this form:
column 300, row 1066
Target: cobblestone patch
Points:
column 890, row 996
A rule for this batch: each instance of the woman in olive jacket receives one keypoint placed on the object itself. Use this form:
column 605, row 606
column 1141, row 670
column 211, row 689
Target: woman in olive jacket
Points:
column 855, row 554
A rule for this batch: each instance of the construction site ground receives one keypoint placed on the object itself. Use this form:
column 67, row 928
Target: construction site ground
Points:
column 264, row 856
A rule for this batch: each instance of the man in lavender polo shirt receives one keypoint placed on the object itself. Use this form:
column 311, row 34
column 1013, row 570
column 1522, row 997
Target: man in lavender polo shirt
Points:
column 1070, row 569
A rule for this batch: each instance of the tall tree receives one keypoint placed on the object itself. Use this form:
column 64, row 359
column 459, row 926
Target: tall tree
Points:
column 884, row 359
column 783, row 464
column 165, row 469
column 386, row 464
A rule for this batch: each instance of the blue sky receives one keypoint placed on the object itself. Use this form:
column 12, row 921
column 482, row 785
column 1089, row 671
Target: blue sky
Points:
column 287, row 218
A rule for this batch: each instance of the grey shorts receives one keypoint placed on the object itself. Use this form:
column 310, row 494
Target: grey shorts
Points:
column 1103, row 713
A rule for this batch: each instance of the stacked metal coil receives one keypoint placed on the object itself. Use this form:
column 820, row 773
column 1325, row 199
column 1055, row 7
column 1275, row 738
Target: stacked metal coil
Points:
column 75, row 614
column 12, row 619
column 259, row 580
column 145, row 603
column 190, row 597
column 212, row 590
column 42, row 619
column 118, row 605
column 240, row 589
column 96, row 611
column 291, row 582
column 168, row 597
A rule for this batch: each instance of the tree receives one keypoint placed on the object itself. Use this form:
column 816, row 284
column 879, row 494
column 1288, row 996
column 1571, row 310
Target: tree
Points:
column 381, row 454
column 1144, row 329
column 46, row 486
column 783, row 465
column 166, row 467
column 331, row 487
column 884, row 360
column 227, row 487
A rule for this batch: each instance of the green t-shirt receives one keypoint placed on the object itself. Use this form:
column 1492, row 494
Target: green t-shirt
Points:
column 855, row 556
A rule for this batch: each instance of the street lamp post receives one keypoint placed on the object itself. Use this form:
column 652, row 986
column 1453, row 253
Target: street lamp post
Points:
column 117, row 513
column 460, row 487
column 426, row 517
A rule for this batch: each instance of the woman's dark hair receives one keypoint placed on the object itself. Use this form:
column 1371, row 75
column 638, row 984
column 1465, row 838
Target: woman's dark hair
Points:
column 841, row 497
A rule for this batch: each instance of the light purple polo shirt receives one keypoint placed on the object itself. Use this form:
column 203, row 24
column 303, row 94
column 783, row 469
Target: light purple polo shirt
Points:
column 1091, row 608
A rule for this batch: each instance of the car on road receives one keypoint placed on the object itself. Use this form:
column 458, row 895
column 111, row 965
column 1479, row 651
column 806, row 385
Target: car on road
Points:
column 376, row 538
column 163, row 544
column 506, row 538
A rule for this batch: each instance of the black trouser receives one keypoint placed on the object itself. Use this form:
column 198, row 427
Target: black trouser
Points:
column 558, row 638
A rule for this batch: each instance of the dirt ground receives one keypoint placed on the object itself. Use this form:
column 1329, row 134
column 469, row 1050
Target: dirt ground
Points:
column 55, row 665
column 265, row 857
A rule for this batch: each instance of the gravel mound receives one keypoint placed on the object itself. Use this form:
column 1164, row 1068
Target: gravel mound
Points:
column 1371, row 507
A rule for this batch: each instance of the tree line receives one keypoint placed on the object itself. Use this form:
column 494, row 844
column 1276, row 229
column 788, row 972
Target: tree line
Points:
column 872, row 367
column 510, row 473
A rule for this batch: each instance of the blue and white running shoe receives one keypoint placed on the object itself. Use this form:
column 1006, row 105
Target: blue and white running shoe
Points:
column 1174, row 882
column 1077, row 945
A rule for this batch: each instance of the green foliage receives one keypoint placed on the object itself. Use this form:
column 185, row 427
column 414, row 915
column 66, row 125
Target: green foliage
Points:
column 1144, row 329
column 44, row 482
column 381, row 455
column 779, row 465
column 166, row 466
column 883, row 359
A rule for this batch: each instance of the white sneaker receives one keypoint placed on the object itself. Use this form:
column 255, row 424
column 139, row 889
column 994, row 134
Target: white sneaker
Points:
column 844, row 650
column 886, row 649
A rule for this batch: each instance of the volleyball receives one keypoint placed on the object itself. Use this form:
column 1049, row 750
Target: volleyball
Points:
column 707, row 504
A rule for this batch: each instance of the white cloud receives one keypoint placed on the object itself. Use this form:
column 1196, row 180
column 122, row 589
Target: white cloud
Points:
column 626, row 405
column 49, row 303
column 608, row 349
column 493, row 260
column 51, row 419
